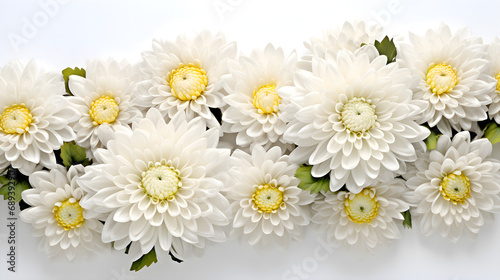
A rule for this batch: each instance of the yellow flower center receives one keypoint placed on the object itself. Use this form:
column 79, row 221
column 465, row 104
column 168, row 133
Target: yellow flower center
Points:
column 187, row 82
column 104, row 110
column 455, row 188
column 358, row 115
column 362, row 207
column 266, row 100
column 68, row 214
column 15, row 119
column 161, row 181
column 498, row 82
column 442, row 78
column 267, row 198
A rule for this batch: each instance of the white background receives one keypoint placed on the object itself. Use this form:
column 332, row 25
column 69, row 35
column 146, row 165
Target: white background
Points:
column 69, row 33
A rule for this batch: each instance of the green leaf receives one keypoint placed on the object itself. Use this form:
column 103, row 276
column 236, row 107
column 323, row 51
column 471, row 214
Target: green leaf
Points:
column 3, row 180
column 72, row 71
column 128, row 248
column 4, row 190
column 492, row 132
column 407, row 220
column 431, row 141
column 14, row 182
column 72, row 154
column 387, row 48
column 19, row 187
column 310, row 183
column 145, row 260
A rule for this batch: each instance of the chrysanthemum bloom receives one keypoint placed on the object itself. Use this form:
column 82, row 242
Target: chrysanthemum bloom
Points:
column 456, row 186
column 494, row 71
column 257, row 112
column 185, row 76
column 34, row 117
column 268, row 206
column 355, row 119
column 159, row 185
column 454, row 87
column 365, row 219
column 350, row 37
column 67, row 228
column 103, row 100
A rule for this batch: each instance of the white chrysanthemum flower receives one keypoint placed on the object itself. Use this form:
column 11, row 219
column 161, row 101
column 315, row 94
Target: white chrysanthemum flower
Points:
column 349, row 37
column 34, row 117
column 454, row 88
column 159, row 185
column 257, row 112
column 494, row 71
column 103, row 100
column 456, row 186
column 67, row 228
column 363, row 220
column 356, row 119
column 185, row 75
column 268, row 206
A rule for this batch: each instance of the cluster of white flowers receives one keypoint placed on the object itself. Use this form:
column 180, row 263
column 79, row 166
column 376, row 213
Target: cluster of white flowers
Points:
column 199, row 142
